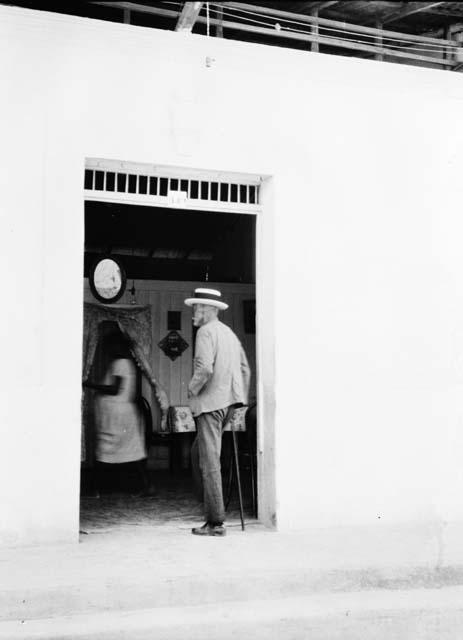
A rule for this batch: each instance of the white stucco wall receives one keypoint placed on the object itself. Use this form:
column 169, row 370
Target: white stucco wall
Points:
column 360, row 258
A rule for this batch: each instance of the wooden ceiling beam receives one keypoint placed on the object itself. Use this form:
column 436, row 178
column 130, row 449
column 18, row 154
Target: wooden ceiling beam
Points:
column 315, row 6
column 407, row 9
column 320, row 6
column 141, row 8
column 345, row 26
column 188, row 17
column 333, row 42
column 314, row 9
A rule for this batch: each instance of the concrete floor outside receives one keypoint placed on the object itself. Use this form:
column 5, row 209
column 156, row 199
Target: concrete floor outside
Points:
column 139, row 573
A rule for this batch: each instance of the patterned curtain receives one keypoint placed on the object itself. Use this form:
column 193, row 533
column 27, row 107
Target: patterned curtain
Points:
column 135, row 323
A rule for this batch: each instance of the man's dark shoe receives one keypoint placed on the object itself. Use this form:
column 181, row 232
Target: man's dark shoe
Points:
column 209, row 529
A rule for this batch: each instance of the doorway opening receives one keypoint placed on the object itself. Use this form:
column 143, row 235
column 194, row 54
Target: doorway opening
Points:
column 165, row 252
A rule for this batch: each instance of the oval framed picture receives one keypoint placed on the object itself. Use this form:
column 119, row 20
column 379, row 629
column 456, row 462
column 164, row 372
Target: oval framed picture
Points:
column 107, row 279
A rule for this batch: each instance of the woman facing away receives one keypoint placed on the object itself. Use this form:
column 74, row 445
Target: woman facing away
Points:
column 119, row 421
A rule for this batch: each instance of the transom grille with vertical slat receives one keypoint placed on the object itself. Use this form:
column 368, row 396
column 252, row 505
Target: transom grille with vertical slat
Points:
column 179, row 190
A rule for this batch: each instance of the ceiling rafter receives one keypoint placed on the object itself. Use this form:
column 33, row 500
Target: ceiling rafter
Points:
column 314, row 6
column 407, row 9
column 136, row 6
column 356, row 23
column 188, row 16
column 320, row 6
column 446, row 12
column 354, row 27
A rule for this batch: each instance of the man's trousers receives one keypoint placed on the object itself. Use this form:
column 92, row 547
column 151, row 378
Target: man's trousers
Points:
column 205, row 457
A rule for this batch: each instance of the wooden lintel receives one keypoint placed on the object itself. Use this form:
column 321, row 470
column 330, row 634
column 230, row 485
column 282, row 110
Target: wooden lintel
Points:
column 188, row 17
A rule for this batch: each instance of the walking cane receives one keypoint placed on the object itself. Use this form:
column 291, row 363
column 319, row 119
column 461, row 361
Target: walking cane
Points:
column 237, row 466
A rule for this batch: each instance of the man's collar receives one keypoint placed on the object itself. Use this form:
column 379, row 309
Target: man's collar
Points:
column 211, row 321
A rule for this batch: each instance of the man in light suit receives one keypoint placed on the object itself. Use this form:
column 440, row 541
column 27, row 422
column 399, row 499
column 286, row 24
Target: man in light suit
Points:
column 220, row 383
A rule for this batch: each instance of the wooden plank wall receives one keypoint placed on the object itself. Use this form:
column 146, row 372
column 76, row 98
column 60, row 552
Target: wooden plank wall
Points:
column 164, row 296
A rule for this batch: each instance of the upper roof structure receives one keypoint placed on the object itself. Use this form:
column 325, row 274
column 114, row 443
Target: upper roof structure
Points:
column 422, row 33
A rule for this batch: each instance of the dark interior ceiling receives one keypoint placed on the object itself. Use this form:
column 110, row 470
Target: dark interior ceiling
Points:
column 430, row 19
column 171, row 244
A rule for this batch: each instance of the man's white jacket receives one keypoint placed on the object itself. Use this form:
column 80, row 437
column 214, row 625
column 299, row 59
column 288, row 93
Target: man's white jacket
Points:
column 221, row 372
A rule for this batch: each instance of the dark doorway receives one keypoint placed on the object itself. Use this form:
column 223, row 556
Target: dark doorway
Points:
column 166, row 253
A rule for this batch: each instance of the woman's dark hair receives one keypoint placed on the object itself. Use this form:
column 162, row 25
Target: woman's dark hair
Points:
column 118, row 345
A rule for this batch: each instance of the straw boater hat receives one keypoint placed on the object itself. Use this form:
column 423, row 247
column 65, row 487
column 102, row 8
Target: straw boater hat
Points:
column 207, row 296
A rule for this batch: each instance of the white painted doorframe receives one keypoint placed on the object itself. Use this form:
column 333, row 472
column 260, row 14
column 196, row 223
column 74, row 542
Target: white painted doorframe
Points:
column 175, row 199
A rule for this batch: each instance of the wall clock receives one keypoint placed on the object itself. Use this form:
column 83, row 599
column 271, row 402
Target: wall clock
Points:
column 107, row 279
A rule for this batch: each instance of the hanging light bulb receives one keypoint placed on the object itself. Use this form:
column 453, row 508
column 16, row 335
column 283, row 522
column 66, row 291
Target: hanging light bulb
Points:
column 132, row 290
column 132, row 293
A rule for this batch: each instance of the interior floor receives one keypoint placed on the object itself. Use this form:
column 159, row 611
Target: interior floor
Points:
column 174, row 503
